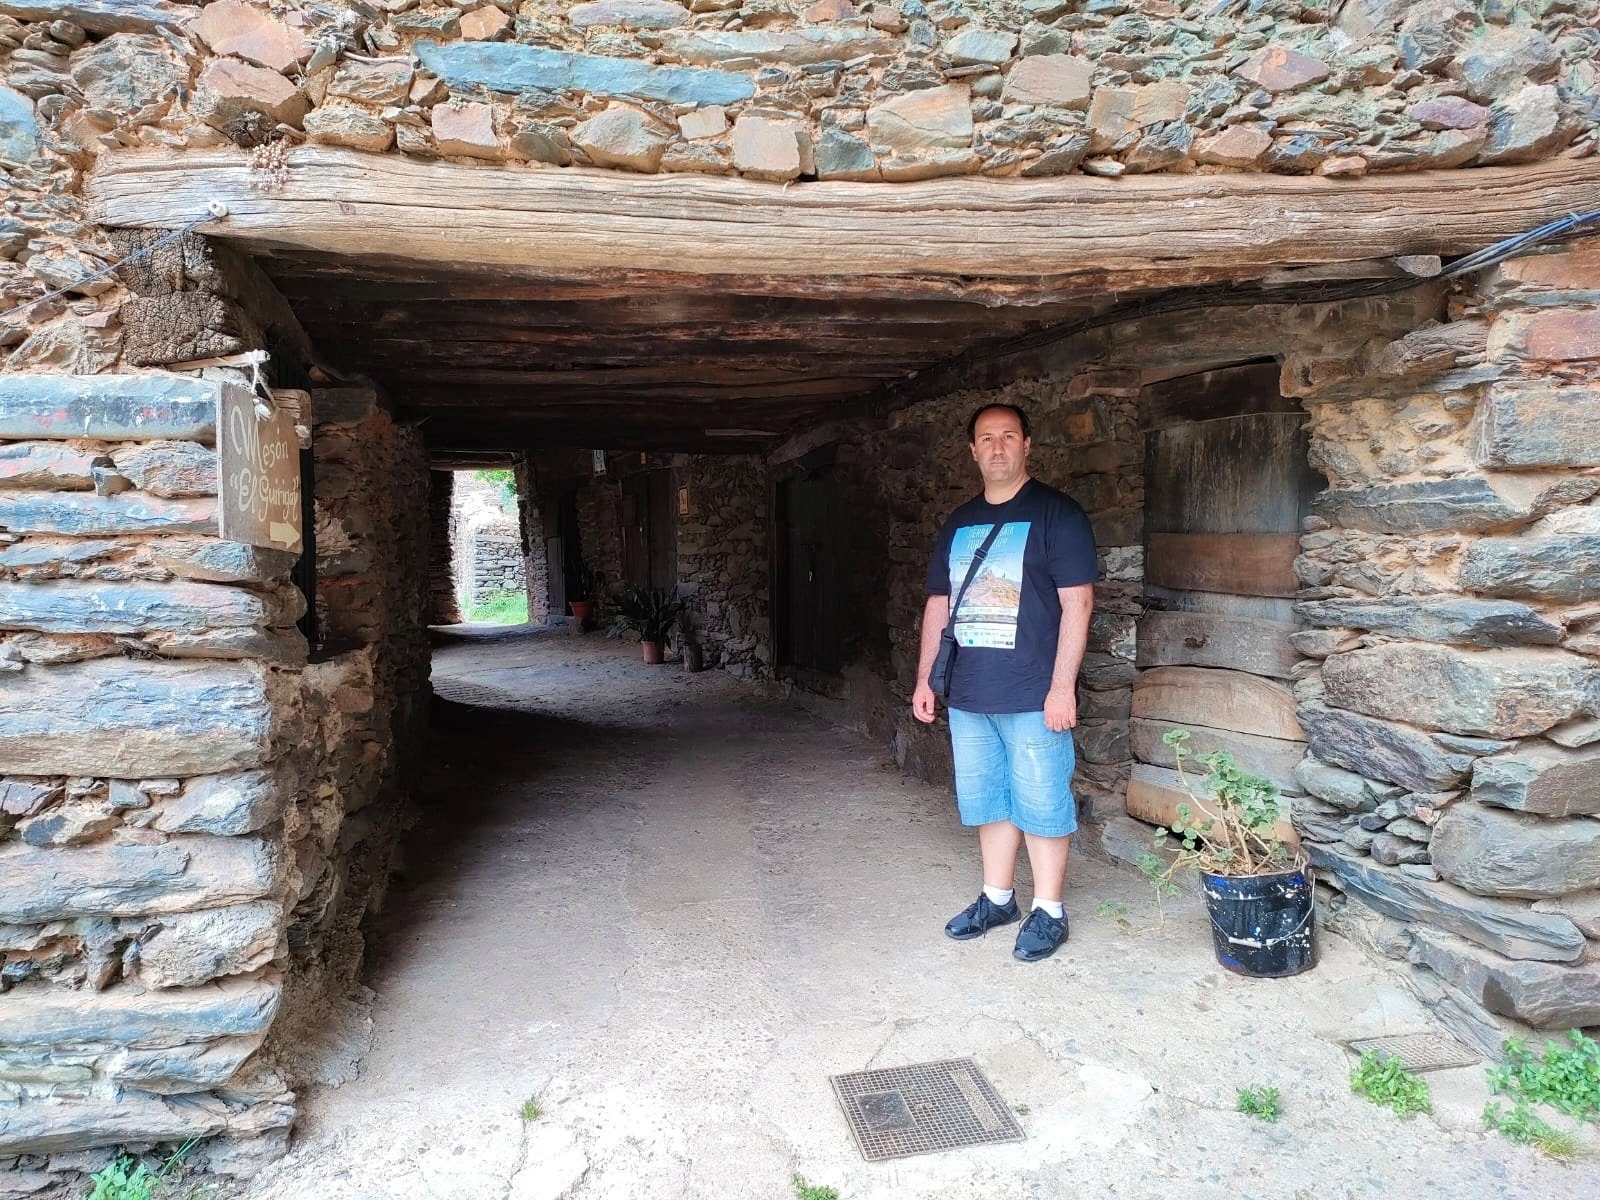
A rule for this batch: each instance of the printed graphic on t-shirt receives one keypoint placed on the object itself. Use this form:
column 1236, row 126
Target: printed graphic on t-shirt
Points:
column 988, row 613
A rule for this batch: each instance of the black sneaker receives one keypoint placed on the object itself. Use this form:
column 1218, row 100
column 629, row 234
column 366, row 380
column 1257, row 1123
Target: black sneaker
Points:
column 1040, row 936
column 982, row 915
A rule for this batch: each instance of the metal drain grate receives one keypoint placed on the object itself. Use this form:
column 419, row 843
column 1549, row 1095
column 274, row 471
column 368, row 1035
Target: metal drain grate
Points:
column 459, row 691
column 1418, row 1051
column 900, row 1111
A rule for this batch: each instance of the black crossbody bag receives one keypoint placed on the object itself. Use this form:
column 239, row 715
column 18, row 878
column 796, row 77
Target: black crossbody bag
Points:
column 943, row 674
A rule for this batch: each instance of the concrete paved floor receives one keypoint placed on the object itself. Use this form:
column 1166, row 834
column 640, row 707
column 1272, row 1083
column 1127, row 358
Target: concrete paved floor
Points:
column 667, row 907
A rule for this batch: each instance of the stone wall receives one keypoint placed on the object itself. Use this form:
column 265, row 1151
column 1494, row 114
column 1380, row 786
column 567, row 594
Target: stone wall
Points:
column 147, row 731
column 444, row 608
column 723, row 561
column 1454, row 773
column 193, row 818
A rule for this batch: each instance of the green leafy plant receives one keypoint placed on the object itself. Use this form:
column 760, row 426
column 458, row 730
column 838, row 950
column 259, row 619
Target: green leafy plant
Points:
column 1522, row 1124
column 501, row 608
column 128, row 1178
column 505, row 481
column 1259, row 1102
column 811, row 1191
column 649, row 612
column 1385, row 1082
column 1566, row 1076
column 1236, row 830
column 530, row 1110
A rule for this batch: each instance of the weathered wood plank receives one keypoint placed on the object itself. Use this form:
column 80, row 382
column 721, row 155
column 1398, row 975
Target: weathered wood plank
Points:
column 1273, row 759
column 1246, row 564
column 1244, row 474
column 1212, row 395
column 1166, row 229
column 1217, row 699
column 1190, row 639
column 1154, row 794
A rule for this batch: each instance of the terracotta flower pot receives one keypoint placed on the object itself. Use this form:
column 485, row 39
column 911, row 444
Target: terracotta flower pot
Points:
column 652, row 652
column 582, row 610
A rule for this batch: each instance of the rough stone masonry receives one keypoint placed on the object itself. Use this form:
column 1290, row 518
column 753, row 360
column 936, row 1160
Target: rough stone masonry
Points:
column 195, row 815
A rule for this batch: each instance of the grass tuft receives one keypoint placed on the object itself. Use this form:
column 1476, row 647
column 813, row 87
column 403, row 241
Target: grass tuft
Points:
column 501, row 608
column 1260, row 1102
column 530, row 1110
column 811, row 1191
column 1523, row 1125
column 1386, row 1083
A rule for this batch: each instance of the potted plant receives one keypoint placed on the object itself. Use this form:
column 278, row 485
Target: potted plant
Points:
column 651, row 613
column 1258, row 889
column 585, row 586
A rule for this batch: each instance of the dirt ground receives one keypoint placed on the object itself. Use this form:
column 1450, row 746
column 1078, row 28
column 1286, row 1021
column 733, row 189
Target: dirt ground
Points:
column 666, row 907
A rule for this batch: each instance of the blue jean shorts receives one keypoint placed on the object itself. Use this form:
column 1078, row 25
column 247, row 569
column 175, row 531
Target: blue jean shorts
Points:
column 1013, row 767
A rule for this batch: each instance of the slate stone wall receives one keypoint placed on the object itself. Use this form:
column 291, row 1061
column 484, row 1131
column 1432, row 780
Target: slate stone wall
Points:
column 179, row 860
column 723, row 561
column 1454, row 762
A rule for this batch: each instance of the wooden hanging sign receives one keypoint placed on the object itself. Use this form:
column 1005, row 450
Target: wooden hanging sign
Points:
column 258, row 468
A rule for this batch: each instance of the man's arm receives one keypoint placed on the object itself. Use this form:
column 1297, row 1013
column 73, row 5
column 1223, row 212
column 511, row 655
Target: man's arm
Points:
column 934, row 616
column 1061, row 704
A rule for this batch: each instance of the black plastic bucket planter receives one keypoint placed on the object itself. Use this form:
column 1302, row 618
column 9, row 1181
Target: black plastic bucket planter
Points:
column 1262, row 925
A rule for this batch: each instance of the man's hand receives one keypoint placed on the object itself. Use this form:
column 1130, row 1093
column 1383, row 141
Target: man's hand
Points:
column 922, row 706
column 1060, row 709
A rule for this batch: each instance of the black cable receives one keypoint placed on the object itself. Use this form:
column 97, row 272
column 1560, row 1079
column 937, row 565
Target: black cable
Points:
column 1577, row 225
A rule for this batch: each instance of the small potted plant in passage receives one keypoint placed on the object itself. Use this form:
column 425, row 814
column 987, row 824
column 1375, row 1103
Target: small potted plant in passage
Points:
column 1258, row 890
column 585, row 587
column 651, row 613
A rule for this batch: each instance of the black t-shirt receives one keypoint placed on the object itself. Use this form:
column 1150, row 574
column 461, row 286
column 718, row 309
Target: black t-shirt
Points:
column 1010, row 619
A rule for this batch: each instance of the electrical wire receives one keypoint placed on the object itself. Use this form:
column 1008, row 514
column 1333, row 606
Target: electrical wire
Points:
column 1577, row 225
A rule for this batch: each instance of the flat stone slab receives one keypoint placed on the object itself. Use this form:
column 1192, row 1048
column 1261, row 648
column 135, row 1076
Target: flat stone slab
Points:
column 1545, row 995
column 511, row 67
column 112, row 407
column 58, row 883
column 131, row 1016
column 71, row 606
column 1512, row 929
column 104, row 16
column 85, row 514
column 59, row 1126
column 1457, row 620
column 123, row 719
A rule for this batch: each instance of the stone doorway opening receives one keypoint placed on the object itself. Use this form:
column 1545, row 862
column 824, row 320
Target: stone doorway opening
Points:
column 1443, row 679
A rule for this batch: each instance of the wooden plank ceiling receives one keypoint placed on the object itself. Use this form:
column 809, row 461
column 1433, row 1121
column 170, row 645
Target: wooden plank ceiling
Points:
column 492, row 359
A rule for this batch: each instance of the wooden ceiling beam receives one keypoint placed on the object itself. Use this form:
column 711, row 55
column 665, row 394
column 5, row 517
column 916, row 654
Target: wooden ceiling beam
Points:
column 1150, row 230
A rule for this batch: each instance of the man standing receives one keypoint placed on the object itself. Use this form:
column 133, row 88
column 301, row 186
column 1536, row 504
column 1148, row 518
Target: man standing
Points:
column 1020, row 628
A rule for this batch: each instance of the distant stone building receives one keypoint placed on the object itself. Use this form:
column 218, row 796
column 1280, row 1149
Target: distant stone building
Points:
column 722, row 282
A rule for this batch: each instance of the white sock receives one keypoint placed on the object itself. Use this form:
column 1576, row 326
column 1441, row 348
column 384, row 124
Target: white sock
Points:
column 1053, row 907
column 997, row 896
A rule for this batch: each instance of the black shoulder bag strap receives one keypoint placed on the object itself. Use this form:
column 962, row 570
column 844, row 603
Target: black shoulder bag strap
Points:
column 943, row 673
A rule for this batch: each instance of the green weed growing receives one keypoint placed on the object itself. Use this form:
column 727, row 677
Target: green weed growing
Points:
column 811, row 1191
column 1260, row 1102
column 1385, row 1082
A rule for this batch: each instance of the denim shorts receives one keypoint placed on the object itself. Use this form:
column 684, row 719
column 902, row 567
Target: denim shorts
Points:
column 1012, row 767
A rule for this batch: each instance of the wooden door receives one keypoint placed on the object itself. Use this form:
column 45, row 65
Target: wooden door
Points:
column 1224, row 498
column 649, row 530
column 813, row 512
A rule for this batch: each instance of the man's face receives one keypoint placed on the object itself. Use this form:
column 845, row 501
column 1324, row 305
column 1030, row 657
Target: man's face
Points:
column 999, row 448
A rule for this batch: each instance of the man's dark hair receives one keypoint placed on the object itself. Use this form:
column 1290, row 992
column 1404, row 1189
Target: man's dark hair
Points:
column 972, row 421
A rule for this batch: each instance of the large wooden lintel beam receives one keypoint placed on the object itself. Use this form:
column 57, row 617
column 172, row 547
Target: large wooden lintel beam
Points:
column 1145, row 231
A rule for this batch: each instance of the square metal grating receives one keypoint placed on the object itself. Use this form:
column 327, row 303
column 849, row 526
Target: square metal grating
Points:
column 1418, row 1051
column 896, row 1112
